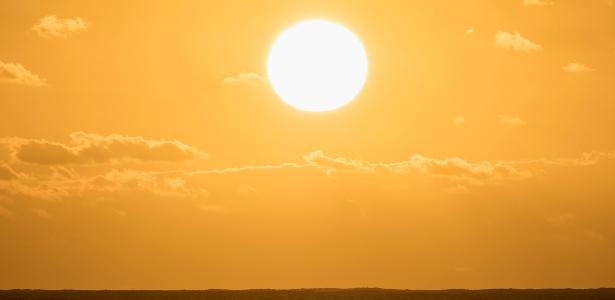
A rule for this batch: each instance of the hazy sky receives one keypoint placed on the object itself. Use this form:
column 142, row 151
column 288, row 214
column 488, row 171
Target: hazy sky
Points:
column 141, row 146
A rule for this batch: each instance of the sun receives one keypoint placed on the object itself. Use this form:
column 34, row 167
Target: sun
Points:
column 317, row 65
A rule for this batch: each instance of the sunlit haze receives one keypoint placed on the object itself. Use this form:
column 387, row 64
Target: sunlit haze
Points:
column 270, row 144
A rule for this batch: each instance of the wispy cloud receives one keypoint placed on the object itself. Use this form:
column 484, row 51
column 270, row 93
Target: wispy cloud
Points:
column 7, row 173
column 537, row 2
column 318, row 158
column 244, row 78
column 52, row 182
column 511, row 121
column 515, row 42
column 18, row 74
column 577, row 68
column 54, row 27
column 110, row 165
column 455, row 169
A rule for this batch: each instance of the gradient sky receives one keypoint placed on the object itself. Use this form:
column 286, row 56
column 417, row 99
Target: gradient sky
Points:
column 142, row 147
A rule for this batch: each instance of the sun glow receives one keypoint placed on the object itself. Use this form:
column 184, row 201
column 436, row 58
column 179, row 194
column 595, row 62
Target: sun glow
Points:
column 317, row 66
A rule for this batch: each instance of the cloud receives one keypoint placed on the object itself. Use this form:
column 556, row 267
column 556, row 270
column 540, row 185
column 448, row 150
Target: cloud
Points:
column 87, row 148
column 586, row 159
column 111, row 183
column 459, row 120
column 244, row 78
column 79, row 182
column 7, row 173
column 515, row 41
column 385, row 201
column 470, row 30
column 52, row 182
column 156, row 183
column 459, row 169
column 577, row 68
column 455, row 169
column 17, row 74
column 92, row 165
column 251, row 168
column 511, row 121
column 318, row 158
column 537, row 2
column 54, row 27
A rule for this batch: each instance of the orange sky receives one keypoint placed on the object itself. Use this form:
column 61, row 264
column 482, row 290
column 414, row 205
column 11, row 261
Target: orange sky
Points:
column 141, row 146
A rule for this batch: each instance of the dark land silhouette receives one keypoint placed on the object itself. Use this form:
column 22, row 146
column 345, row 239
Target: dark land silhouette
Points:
column 315, row 294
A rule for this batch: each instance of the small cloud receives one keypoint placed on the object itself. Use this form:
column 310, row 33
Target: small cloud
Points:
column 459, row 120
column 54, row 27
column 537, row 2
column 511, row 121
column 470, row 30
column 244, row 78
column 577, row 68
column 17, row 74
column 515, row 41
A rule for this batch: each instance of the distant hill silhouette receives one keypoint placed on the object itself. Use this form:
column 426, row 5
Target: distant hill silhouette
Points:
column 315, row 294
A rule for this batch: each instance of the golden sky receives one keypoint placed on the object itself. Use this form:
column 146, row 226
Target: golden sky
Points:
column 142, row 147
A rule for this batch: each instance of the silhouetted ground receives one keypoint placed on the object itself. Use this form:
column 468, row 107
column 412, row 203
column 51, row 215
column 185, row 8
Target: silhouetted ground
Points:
column 314, row 294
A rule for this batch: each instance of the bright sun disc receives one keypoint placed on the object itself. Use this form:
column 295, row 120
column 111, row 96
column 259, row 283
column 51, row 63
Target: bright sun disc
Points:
column 317, row 66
